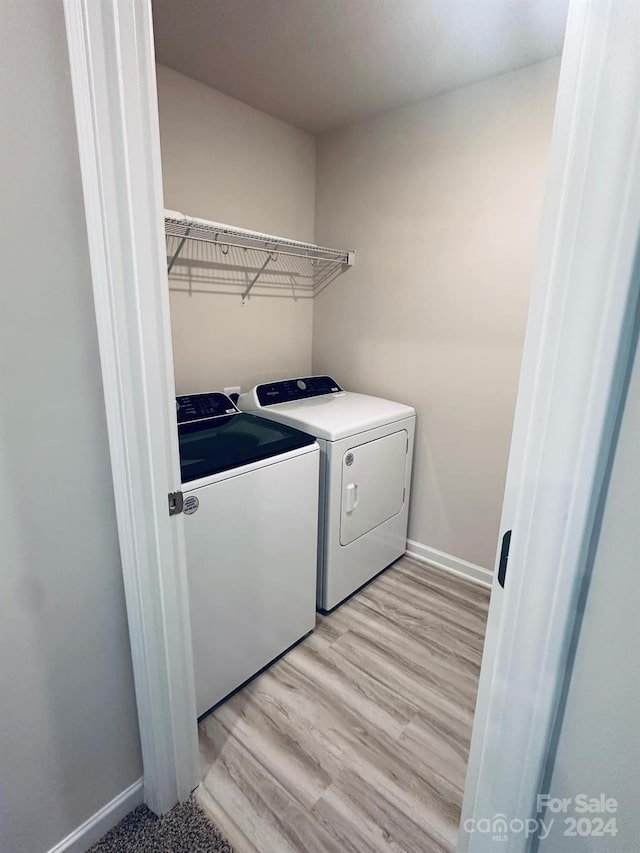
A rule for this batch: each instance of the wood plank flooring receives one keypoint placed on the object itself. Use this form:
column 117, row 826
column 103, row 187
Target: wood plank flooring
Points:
column 357, row 740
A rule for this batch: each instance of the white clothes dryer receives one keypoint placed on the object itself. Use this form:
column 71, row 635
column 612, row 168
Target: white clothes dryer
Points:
column 366, row 453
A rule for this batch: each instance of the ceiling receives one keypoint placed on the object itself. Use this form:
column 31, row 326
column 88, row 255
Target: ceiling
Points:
column 318, row 64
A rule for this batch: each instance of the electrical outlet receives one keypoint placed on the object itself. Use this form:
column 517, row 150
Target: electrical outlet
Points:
column 233, row 389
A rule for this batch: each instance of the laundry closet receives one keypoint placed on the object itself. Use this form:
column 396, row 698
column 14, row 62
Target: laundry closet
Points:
column 378, row 232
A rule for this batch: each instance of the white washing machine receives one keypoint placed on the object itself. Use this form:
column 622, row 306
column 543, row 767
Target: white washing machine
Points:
column 250, row 497
column 366, row 451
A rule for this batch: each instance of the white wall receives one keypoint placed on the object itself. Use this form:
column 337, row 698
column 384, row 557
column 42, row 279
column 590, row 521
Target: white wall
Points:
column 225, row 161
column 598, row 749
column 68, row 729
column 441, row 201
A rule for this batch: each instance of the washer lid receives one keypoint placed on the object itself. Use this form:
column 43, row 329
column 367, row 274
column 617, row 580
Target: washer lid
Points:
column 220, row 443
column 336, row 416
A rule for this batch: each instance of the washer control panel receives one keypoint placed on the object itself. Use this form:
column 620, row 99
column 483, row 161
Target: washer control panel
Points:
column 199, row 407
column 296, row 389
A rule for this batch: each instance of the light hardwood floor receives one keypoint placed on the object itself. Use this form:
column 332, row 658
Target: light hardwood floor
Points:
column 357, row 739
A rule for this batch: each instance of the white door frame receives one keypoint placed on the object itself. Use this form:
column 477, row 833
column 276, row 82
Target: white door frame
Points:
column 112, row 61
column 569, row 391
column 575, row 361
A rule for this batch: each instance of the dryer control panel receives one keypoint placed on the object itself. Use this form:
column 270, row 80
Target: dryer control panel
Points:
column 199, row 407
column 296, row 389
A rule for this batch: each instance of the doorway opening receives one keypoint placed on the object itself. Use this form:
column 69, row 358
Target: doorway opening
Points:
column 283, row 132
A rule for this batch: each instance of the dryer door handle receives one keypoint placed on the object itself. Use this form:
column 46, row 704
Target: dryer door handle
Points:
column 351, row 501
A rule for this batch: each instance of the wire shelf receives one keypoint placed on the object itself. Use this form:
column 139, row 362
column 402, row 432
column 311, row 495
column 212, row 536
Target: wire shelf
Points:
column 249, row 259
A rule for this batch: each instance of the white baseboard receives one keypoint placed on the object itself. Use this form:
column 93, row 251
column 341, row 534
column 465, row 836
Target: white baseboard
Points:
column 101, row 822
column 447, row 563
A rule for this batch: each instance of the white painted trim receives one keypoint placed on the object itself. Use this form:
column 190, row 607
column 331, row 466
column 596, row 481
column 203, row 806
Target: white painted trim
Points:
column 576, row 355
column 448, row 563
column 102, row 821
column 111, row 56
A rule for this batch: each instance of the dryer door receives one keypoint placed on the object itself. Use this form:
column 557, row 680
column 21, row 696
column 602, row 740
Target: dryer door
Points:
column 373, row 484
